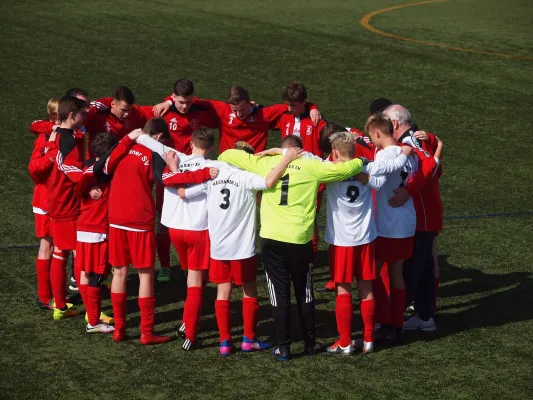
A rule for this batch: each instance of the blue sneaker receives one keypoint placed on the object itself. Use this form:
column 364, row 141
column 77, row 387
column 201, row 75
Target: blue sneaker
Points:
column 249, row 345
column 226, row 348
column 281, row 353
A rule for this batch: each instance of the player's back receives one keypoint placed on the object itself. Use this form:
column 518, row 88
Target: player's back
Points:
column 231, row 209
column 190, row 214
column 395, row 222
column 349, row 214
column 93, row 213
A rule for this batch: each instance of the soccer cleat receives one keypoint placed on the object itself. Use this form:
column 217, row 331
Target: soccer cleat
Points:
column 153, row 339
column 281, row 353
column 314, row 349
column 74, row 298
column 73, row 285
column 365, row 347
column 163, row 274
column 69, row 305
column 102, row 327
column 410, row 307
column 119, row 335
column 336, row 348
column 189, row 345
column 249, row 345
column 329, row 286
column 62, row 314
column 45, row 306
column 415, row 323
column 103, row 318
column 181, row 331
column 226, row 348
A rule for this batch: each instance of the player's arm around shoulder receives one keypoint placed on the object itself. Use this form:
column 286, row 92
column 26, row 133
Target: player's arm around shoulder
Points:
column 248, row 162
column 331, row 172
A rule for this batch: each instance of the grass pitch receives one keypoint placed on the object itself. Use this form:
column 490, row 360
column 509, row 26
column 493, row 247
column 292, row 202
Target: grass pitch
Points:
column 478, row 104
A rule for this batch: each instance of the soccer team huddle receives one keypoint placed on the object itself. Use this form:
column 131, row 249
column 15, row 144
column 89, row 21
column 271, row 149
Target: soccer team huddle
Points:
column 95, row 166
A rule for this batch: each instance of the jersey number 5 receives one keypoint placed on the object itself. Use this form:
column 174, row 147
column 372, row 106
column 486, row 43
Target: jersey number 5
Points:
column 353, row 193
column 284, row 190
column 226, row 194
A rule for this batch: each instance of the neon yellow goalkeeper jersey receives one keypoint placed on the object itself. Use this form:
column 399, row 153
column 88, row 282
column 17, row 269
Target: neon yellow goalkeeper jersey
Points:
column 288, row 210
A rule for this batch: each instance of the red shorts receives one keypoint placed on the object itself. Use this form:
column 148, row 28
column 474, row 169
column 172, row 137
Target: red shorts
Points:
column 129, row 247
column 192, row 248
column 236, row 271
column 347, row 262
column 42, row 225
column 392, row 249
column 92, row 257
column 64, row 234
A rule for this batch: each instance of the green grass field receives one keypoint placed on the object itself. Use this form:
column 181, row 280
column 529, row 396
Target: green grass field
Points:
column 480, row 105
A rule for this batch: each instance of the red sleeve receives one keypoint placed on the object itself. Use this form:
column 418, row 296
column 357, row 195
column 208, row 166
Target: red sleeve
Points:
column 87, row 181
column 100, row 105
column 273, row 113
column 41, row 161
column 70, row 166
column 217, row 108
column 118, row 153
column 169, row 98
column 180, row 178
column 145, row 111
column 424, row 175
column 41, row 126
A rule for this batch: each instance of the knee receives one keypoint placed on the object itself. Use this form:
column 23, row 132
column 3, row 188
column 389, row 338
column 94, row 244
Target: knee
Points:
column 120, row 273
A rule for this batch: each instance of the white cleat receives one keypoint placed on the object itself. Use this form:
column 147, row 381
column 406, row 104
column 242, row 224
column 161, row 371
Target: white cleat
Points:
column 415, row 324
column 102, row 327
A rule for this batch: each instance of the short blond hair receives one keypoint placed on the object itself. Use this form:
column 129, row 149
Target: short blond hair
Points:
column 344, row 143
column 381, row 122
column 52, row 108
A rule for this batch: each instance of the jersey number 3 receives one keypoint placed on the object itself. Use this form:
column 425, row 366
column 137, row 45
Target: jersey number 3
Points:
column 226, row 194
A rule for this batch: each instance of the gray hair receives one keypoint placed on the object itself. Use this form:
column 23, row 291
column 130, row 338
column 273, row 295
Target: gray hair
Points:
column 342, row 136
column 399, row 113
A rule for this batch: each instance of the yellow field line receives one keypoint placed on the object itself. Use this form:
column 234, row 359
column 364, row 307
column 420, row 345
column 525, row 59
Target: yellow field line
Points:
column 365, row 22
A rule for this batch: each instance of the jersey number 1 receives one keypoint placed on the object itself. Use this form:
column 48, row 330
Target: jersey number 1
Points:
column 226, row 194
column 284, row 190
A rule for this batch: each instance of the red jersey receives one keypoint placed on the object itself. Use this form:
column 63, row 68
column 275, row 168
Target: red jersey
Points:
column 423, row 186
column 181, row 126
column 93, row 213
column 135, row 170
column 304, row 128
column 40, row 167
column 63, row 205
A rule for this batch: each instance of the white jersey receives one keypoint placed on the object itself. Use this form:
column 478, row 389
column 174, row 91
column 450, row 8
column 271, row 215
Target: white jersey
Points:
column 350, row 221
column 190, row 215
column 231, row 210
column 391, row 222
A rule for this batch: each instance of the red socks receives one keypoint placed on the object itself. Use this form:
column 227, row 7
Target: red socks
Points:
column 437, row 283
column 368, row 316
column 397, row 305
column 163, row 249
column 93, row 304
column 250, row 309
column 83, row 293
column 192, row 311
column 382, row 307
column 58, row 277
column 343, row 313
column 44, row 287
column 119, row 310
column 223, row 315
column 147, row 307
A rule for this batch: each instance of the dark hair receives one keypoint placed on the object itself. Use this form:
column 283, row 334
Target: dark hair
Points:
column 184, row 87
column 240, row 145
column 237, row 94
column 380, row 122
column 203, row 138
column 122, row 93
column 378, row 105
column 294, row 91
column 292, row 141
column 329, row 129
column 156, row 126
column 102, row 143
column 69, row 104
column 77, row 92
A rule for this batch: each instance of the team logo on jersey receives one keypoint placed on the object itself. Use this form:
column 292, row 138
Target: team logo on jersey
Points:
column 173, row 124
column 231, row 117
column 287, row 128
column 194, row 123
column 309, row 130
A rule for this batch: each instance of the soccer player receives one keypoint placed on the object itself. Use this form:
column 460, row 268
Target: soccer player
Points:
column 287, row 218
column 92, row 232
column 63, row 206
column 239, row 120
column 423, row 189
column 40, row 166
column 231, row 211
column 395, row 226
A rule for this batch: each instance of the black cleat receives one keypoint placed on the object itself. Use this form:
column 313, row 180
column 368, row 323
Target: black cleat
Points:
column 189, row 345
column 281, row 353
column 314, row 349
column 74, row 298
